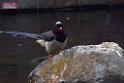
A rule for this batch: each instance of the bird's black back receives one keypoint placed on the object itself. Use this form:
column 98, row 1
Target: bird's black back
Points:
column 47, row 36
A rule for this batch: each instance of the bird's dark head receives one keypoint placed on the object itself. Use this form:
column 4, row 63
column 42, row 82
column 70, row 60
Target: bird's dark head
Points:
column 59, row 32
column 58, row 28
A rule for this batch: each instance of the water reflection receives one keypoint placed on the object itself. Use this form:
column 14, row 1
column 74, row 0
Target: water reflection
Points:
column 17, row 54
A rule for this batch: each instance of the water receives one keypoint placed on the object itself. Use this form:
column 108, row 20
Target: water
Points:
column 18, row 55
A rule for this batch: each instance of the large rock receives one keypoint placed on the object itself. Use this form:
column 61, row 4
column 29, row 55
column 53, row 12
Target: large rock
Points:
column 102, row 63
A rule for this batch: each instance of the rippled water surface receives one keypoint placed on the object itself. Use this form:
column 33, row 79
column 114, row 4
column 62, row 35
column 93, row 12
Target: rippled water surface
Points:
column 18, row 55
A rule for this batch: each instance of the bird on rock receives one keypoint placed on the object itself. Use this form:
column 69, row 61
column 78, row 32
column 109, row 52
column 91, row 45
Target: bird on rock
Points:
column 54, row 40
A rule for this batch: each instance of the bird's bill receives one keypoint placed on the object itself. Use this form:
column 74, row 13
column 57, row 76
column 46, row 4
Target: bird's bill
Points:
column 60, row 29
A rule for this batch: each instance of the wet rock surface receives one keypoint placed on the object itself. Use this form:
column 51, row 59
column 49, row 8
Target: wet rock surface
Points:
column 101, row 63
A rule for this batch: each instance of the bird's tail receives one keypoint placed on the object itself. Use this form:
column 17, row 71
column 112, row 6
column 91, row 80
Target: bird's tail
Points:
column 41, row 42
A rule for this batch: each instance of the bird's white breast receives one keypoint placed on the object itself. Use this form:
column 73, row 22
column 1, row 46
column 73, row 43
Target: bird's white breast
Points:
column 52, row 46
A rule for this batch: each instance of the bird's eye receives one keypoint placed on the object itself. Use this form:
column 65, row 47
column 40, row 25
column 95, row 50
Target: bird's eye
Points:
column 59, row 25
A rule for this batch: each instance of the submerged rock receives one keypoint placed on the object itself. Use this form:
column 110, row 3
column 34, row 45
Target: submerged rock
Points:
column 102, row 63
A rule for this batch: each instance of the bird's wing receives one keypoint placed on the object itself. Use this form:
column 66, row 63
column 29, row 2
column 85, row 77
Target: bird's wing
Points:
column 20, row 34
column 47, row 36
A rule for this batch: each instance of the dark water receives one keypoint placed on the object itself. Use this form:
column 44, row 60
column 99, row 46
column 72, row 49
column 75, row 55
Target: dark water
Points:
column 90, row 27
